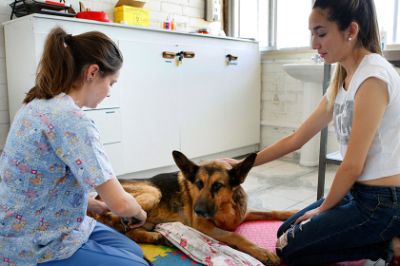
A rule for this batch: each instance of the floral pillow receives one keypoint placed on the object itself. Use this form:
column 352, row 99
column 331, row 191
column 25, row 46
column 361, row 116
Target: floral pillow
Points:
column 203, row 248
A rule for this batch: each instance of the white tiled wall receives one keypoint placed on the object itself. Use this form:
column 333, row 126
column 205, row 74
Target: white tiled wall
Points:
column 282, row 98
column 188, row 16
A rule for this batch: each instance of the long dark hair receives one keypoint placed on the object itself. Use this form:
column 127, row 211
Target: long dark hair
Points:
column 343, row 13
column 65, row 58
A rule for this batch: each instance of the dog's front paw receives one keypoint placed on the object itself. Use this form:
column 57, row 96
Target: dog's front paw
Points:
column 272, row 259
column 266, row 257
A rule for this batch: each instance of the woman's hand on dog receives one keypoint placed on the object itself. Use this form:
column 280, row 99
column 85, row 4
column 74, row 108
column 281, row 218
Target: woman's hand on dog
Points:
column 230, row 161
column 138, row 221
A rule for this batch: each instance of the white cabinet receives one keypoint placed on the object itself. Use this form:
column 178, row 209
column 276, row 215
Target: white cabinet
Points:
column 220, row 101
column 204, row 106
column 203, row 101
column 150, row 105
column 108, row 122
column 242, row 80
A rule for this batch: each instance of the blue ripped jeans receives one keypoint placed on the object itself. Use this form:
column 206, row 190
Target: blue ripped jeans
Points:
column 361, row 226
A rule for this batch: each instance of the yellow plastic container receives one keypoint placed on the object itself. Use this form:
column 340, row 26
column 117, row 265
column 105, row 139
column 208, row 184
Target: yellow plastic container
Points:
column 132, row 15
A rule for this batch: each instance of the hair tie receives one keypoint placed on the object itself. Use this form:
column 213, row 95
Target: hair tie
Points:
column 68, row 39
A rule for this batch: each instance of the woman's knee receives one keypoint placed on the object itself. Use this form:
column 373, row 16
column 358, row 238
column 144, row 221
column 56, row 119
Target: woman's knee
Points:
column 98, row 259
column 281, row 230
column 136, row 249
column 108, row 236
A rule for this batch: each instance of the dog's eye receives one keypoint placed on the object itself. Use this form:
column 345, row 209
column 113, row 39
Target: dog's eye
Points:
column 216, row 186
column 199, row 184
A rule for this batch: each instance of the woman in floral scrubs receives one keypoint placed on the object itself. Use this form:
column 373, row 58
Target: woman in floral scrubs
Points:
column 53, row 158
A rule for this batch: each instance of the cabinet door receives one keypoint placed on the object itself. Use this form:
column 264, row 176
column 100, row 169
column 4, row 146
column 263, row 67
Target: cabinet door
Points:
column 148, row 105
column 220, row 99
column 203, row 96
column 242, row 77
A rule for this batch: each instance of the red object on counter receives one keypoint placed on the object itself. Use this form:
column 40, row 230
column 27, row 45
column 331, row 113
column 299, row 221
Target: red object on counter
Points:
column 94, row 15
column 202, row 31
column 54, row 3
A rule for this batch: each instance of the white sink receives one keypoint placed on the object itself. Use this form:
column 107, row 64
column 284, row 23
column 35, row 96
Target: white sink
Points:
column 306, row 72
column 312, row 76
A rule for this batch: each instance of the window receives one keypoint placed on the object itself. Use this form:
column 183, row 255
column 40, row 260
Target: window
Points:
column 263, row 23
column 271, row 22
column 251, row 25
column 248, row 25
column 278, row 24
column 387, row 12
column 292, row 23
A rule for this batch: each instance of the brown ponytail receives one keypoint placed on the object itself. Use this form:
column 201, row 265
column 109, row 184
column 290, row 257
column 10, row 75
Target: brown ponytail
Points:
column 65, row 58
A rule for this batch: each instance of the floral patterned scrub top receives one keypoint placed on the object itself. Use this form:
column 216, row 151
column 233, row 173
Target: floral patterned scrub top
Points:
column 52, row 158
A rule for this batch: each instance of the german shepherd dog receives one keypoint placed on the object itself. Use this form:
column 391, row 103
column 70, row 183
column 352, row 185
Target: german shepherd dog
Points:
column 207, row 197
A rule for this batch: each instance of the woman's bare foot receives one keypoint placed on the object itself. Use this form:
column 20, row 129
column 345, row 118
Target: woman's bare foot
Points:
column 396, row 251
column 396, row 246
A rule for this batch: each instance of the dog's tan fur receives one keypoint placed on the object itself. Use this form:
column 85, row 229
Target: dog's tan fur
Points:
column 207, row 197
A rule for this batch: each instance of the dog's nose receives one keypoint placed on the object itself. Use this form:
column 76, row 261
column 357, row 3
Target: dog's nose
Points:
column 202, row 212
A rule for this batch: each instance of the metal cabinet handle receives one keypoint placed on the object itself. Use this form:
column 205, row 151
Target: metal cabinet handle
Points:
column 188, row 54
column 168, row 55
column 231, row 57
column 172, row 55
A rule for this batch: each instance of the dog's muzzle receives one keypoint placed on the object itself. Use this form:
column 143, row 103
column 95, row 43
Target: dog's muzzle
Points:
column 127, row 222
column 204, row 211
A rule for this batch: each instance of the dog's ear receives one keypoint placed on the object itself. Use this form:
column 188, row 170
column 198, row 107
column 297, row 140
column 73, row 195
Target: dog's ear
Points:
column 188, row 168
column 238, row 173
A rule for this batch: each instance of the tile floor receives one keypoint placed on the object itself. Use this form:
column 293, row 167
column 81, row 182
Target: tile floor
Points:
column 284, row 185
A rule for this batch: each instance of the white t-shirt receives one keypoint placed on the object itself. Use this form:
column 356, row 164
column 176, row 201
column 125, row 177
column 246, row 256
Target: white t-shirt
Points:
column 383, row 157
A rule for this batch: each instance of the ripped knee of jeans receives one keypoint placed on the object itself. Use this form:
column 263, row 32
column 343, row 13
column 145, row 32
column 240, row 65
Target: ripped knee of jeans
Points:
column 282, row 241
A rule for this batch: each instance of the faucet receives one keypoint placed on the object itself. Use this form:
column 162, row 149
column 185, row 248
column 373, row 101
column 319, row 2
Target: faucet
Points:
column 317, row 59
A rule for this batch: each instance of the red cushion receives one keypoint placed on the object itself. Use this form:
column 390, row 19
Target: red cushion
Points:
column 263, row 233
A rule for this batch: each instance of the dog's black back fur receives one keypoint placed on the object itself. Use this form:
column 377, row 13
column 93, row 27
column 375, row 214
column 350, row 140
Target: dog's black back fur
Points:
column 170, row 189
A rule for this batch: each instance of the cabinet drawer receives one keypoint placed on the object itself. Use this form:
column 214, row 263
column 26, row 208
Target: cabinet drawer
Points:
column 108, row 121
column 111, row 101
column 116, row 158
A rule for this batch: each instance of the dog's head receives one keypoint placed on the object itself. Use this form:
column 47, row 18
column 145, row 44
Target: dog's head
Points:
column 214, row 183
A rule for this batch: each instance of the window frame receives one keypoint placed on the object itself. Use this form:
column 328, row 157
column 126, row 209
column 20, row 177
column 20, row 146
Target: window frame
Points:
column 234, row 28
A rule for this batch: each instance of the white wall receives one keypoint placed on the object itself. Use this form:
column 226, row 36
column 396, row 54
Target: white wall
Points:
column 4, row 119
column 188, row 16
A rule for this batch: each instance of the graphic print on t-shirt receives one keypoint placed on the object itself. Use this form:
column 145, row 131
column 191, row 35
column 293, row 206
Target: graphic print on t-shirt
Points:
column 343, row 118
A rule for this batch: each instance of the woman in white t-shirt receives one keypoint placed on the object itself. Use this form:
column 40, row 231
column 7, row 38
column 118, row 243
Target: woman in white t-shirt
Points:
column 360, row 216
